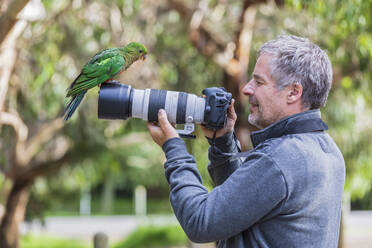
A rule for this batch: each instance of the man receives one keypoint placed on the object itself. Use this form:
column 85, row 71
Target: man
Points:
column 288, row 190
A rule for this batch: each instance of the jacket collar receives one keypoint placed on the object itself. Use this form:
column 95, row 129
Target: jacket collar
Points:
column 308, row 121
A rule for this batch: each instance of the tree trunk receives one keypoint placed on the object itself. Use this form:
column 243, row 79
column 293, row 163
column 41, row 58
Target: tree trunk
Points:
column 14, row 214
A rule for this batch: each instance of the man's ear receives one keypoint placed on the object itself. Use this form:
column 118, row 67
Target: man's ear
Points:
column 294, row 93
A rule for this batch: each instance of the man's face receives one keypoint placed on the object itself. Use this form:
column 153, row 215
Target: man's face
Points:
column 267, row 103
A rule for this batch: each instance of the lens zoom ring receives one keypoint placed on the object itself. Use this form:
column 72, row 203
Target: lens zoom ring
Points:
column 181, row 108
column 156, row 102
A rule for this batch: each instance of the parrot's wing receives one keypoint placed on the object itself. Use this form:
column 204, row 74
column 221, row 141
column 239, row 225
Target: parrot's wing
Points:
column 96, row 72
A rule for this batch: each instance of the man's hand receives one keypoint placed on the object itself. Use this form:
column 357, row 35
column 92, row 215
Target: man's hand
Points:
column 230, row 122
column 164, row 131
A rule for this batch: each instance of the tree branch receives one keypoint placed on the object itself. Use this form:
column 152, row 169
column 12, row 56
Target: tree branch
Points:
column 202, row 38
column 211, row 44
column 39, row 169
column 8, row 55
column 9, row 17
column 16, row 122
column 31, row 172
column 24, row 154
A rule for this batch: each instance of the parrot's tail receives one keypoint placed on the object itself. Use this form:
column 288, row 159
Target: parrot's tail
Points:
column 72, row 105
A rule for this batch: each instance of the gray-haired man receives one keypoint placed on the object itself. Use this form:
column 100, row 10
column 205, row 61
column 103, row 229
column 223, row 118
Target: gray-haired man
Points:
column 287, row 192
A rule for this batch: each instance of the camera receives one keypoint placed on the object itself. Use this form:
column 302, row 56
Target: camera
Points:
column 121, row 101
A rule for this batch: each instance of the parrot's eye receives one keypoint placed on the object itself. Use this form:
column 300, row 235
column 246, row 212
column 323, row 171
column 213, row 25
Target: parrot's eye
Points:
column 140, row 51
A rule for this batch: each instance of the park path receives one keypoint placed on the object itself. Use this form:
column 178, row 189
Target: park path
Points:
column 358, row 227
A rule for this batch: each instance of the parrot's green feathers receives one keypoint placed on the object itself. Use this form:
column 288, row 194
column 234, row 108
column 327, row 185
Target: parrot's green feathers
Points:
column 95, row 73
column 103, row 66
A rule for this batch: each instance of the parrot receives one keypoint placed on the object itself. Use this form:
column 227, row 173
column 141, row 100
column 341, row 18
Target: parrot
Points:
column 101, row 68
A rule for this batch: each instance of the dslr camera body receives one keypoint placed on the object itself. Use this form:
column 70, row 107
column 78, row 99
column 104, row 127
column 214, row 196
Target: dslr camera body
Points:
column 121, row 101
column 217, row 101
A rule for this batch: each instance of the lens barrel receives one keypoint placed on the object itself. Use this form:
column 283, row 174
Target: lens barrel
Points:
column 120, row 101
column 115, row 101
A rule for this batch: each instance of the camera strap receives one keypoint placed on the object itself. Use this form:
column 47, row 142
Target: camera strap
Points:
column 214, row 137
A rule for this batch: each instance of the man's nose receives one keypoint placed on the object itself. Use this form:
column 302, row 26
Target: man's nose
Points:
column 248, row 89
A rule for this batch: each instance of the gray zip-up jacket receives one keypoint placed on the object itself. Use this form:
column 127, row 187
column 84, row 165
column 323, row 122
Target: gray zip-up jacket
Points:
column 286, row 193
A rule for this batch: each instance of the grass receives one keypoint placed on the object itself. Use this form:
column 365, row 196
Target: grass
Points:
column 42, row 241
column 154, row 237
column 143, row 237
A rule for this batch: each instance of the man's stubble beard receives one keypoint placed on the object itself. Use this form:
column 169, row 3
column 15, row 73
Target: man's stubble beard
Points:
column 253, row 121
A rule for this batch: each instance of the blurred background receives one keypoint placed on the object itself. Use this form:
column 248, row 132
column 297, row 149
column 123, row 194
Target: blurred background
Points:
column 61, row 183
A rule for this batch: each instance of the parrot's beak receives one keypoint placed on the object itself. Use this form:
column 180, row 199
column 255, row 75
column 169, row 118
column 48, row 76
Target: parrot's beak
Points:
column 143, row 57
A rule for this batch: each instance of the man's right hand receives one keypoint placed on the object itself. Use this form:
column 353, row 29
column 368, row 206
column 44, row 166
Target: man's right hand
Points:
column 230, row 122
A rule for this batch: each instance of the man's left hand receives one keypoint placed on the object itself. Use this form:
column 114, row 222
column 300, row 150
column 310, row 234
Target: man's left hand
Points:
column 164, row 131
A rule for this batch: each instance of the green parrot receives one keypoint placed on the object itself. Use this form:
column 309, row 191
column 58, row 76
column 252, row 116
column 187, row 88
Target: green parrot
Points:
column 102, row 68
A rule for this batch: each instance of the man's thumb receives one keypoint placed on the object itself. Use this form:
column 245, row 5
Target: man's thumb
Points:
column 163, row 120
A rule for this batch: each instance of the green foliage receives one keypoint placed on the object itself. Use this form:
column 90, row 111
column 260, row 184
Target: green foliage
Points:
column 36, row 241
column 363, row 203
column 121, row 206
column 154, row 236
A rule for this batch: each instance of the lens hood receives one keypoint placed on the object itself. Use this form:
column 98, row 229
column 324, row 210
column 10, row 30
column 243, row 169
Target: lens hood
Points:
column 114, row 101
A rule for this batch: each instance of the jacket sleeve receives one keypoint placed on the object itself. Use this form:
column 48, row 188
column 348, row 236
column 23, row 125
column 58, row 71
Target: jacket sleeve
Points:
column 222, row 163
column 251, row 192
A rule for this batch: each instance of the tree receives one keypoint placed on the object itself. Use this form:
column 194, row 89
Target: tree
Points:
column 24, row 149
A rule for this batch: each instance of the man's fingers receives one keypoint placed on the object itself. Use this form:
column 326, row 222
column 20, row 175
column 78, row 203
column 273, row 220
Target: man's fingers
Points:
column 152, row 127
column 163, row 121
column 162, row 132
column 232, row 109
